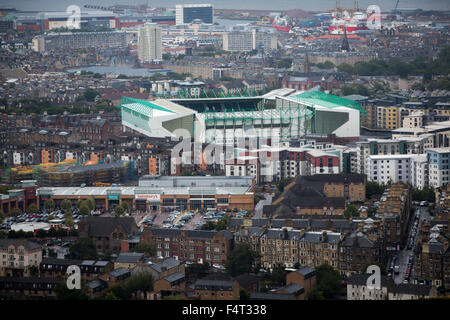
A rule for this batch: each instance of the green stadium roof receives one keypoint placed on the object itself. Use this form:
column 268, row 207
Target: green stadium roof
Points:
column 141, row 106
column 326, row 100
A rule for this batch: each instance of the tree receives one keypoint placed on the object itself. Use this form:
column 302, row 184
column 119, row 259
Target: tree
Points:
column 278, row 275
column 425, row 194
column 89, row 95
column 315, row 294
column 244, row 295
column 149, row 249
column 83, row 249
column 328, row 281
column 49, row 204
column 66, row 205
column 125, row 205
column 197, row 270
column 351, row 211
column 41, row 233
column 241, row 259
column 141, row 282
column 283, row 183
column 90, row 203
column 118, row 211
column 2, row 216
column 209, row 225
column 15, row 212
column 69, row 220
column 373, row 188
column 79, row 203
column 33, row 208
column 84, row 210
column 285, row 63
column 62, row 292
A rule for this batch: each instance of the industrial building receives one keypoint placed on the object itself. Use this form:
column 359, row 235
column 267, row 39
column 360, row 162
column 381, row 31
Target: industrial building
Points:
column 223, row 119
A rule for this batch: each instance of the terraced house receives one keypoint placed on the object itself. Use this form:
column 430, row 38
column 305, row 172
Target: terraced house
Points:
column 287, row 246
column 196, row 246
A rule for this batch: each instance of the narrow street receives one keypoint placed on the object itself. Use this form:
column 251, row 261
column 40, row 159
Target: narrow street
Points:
column 405, row 254
column 259, row 206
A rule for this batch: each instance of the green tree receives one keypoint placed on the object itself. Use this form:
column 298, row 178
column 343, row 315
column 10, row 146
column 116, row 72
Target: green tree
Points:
column 32, row 208
column 425, row 194
column 15, row 212
column 49, row 204
column 79, row 203
column 149, row 249
column 315, row 294
column 373, row 188
column 285, row 63
column 244, row 295
column 69, row 220
column 64, row 293
column 241, row 259
column 2, row 216
column 118, row 211
column 125, row 205
column 90, row 203
column 66, row 205
column 84, row 210
column 197, row 270
column 83, row 249
column 351, row 211
column 89, row 95
column 328, row 281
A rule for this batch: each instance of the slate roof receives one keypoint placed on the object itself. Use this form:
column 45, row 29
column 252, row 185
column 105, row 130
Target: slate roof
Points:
column 104, row 226
column 129, row 257
column 361, row 280
column 246, row 280
column 222, row 285
column 413, row 289
column 293, row 288
column 271, row 296
column 119, row 272
column 168, row 263
column 174, row 277
column 29, row 245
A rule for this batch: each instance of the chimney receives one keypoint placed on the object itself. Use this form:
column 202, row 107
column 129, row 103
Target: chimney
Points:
column 285, row 233
column 324, row 236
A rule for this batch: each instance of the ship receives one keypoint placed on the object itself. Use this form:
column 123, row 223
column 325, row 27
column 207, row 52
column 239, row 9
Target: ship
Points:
column 281, row 23
column 356, row 22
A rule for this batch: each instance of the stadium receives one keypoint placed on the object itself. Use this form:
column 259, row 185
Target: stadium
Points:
column 222, row 119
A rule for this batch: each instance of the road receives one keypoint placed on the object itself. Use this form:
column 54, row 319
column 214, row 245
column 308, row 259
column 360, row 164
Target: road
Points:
column 403, row 255
column 261, row 203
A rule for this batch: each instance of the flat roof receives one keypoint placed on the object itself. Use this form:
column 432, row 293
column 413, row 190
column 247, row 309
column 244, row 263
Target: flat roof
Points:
column 131, row 191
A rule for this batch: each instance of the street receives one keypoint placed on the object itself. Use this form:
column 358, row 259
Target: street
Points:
column 405, row 254
column 261, row 203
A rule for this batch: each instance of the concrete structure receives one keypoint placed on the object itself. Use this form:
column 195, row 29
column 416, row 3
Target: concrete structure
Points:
column 411, row 169
column 149, row 43
column 439, row 162
column 249, row 40
column 188, row 13
column 216, row 119
column 79, row 40
column 153, row 194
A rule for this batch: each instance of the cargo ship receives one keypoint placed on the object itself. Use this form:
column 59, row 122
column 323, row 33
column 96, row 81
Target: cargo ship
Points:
column 358, row 21
column 281, row 24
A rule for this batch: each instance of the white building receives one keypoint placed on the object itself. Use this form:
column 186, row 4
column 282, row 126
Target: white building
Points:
column 149, row 43
column 404, row 168
column 249, row 40
column 438, row 162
